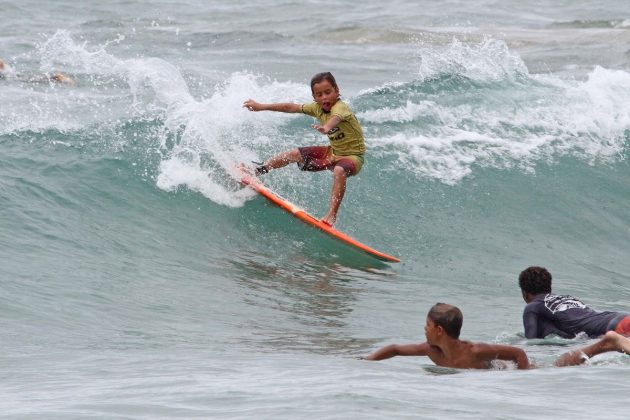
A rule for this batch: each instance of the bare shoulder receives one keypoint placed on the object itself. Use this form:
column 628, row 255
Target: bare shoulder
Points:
column 416, row 349
column 487, row 351
column 481, row 347
column 500, row 351
column 487, row 348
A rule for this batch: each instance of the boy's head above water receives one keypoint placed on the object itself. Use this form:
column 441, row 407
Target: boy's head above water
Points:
column 449, row 317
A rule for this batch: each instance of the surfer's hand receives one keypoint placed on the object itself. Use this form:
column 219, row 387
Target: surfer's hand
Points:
column 252, row 105
column 319, row 128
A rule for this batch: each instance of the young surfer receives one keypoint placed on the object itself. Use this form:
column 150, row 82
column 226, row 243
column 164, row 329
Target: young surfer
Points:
column 444, row 348
column 345, row 154
column 565, row 316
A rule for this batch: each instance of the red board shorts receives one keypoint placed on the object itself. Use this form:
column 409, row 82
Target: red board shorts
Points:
column 319, row 158
column 623, row 327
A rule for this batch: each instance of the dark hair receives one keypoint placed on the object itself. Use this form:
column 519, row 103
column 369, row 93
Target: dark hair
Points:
column 320, row 77
column 448, row 317
column 535, row 280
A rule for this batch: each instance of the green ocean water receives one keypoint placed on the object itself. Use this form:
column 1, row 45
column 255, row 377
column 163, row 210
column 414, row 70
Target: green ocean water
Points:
column 138, row 280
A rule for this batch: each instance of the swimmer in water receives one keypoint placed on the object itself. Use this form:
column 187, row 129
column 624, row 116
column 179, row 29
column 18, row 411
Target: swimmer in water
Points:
column 56, row 77
column 563, row 315
column 444, row 348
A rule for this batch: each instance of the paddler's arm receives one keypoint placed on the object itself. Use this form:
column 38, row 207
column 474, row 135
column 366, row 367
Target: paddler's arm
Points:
column 252, row 105
column 332, row 123
column 392, row 350
column 485, row 352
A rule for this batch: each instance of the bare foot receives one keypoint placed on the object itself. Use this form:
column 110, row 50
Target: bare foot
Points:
column 611, row 341
column 329, row 220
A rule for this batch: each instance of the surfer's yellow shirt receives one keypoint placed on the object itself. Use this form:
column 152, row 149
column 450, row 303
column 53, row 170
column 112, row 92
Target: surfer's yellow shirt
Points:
column 347, row 138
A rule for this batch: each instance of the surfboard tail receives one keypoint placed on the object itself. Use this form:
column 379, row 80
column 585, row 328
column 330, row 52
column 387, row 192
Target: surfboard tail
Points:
column 250, row 180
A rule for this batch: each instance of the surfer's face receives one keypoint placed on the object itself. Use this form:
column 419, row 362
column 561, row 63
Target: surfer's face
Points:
column 325, row 94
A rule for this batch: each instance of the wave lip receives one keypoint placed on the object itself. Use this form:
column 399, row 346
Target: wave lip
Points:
column 478, row 106
column 489, row 60
column 472, row 104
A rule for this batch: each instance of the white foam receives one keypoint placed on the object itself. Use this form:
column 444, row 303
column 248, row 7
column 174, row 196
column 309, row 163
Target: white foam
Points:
column 624, row 24
column 212, row 135
column 516, row 121
column 487, row 60
column 176, row 172
column 411, row 111
column 586, row 120
column 220, row 130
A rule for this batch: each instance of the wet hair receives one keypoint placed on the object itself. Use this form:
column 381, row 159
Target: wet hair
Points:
column 535, row 280
column 448, row 317
column 320, row 77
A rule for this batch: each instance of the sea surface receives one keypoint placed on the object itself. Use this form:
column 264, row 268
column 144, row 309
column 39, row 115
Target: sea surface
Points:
column 139, row 281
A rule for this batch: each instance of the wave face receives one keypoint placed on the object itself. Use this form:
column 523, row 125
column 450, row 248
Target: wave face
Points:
column 135, row 267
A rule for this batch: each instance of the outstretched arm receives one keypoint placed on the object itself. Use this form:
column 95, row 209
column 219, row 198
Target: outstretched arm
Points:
column 399, row 350
column 332, row 123
column 252, row 105
column 488, row 352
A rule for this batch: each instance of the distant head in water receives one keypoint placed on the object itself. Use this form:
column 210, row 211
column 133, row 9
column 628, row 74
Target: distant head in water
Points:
column 61, row 78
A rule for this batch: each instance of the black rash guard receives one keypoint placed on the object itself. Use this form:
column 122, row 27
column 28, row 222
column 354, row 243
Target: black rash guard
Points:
column 565, row 316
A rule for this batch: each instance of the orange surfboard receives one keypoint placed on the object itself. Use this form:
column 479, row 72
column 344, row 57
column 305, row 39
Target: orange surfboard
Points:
column 255, row 184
